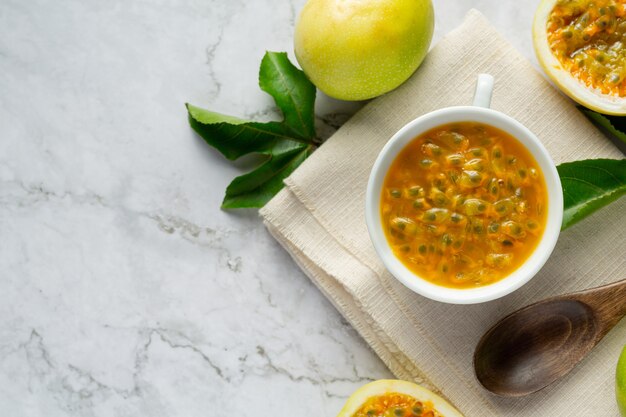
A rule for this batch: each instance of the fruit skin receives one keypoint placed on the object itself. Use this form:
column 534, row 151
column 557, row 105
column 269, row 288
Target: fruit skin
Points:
column 384, row 386
column 620, row 382
column 586, row 96
column 359, row 49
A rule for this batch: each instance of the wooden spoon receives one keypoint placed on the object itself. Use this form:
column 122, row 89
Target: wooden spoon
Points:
column 533, row 347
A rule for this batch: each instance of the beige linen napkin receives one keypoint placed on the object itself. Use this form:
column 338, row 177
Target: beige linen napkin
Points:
column 319, row 219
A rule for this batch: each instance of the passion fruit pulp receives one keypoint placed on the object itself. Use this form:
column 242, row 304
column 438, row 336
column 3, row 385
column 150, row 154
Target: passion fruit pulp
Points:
column 394, row 398
column 581, row 45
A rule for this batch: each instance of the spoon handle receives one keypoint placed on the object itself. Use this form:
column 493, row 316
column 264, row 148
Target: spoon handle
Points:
column 609, row 301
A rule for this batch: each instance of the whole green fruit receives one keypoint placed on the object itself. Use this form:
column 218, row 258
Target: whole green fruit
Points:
column 359, row 49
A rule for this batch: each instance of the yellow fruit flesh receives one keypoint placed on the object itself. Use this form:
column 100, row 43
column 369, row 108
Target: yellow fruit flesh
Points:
column 588, row 39
column 396, row 405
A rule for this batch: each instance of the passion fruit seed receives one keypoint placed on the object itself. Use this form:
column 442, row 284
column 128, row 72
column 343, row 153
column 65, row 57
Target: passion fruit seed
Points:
column 455, row 159
column 416, row 190
column 456, row 218
column 431, row 149
column 421, row 203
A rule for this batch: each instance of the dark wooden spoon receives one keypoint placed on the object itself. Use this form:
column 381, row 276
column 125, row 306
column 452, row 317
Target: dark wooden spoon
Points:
column 533, row 347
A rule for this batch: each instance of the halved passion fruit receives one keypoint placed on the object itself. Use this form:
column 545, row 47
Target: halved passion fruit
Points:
column 581, row 44
column 394, row 398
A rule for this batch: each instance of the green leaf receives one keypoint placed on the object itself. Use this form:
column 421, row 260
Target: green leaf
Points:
column 293, row 92
column 256, row 188
column 285, row 144
column 235, row 137
column 613, row 125
column 590, row 185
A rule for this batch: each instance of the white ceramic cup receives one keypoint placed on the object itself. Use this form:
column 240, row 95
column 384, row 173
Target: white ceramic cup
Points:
column 479, row 112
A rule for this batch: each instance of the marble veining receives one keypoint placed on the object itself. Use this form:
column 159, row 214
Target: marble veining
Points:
column 124, row 290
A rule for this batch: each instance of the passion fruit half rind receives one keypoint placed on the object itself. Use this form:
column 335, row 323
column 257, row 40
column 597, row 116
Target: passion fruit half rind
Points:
column 392, row 386
column 587, row 96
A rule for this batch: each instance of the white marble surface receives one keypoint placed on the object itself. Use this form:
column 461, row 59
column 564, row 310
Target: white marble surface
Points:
column 124, row 290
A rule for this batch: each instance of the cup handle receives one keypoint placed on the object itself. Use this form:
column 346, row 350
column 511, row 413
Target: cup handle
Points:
column 484, row 91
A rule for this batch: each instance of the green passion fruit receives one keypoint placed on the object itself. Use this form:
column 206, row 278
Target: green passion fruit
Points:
column 359, row 49
column 620, row 382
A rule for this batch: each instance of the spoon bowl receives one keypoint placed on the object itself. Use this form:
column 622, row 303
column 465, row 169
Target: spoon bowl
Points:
column 533, row 347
